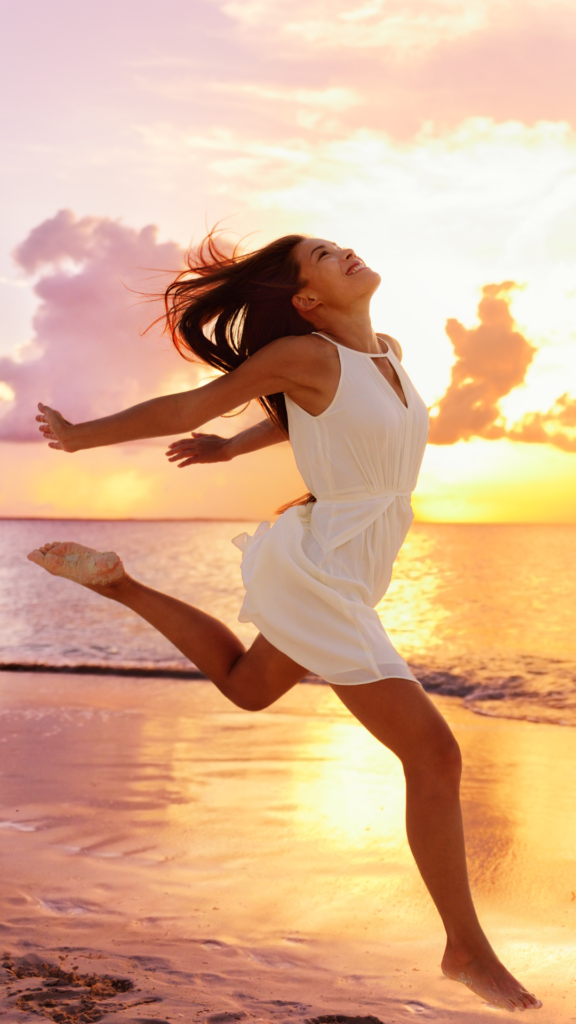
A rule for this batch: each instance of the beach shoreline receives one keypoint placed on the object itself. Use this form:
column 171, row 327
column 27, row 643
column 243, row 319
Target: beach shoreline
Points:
column 484, row 614
column 229, row 865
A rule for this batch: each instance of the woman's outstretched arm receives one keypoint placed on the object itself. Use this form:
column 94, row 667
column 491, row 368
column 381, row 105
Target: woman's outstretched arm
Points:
column 203, row 448
column 282, row 366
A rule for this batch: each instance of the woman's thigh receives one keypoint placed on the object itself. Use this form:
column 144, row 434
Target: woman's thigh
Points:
column 401, row 715
column 262, row 675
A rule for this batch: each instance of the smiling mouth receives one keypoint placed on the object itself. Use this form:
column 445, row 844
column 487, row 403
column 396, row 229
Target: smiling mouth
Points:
column 355, row 268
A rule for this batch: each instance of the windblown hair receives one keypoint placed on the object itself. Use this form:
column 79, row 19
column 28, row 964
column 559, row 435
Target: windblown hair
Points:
column 227, row 305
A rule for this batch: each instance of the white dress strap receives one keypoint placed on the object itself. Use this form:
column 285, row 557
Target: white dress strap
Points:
column 321, row 335
column 371, row 355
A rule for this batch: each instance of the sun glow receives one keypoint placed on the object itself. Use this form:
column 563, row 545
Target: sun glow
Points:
column 375, row 124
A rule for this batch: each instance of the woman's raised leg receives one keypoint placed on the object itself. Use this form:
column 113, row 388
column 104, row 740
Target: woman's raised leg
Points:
column 251, row 679
column 400, row 714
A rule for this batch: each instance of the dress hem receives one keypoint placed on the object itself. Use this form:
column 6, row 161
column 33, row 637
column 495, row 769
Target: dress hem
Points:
column 401, row 671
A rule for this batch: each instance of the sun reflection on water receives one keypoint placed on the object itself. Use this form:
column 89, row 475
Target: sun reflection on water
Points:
column 411, row 611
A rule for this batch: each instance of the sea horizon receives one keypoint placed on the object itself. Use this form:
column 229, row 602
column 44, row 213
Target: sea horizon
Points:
column 481, row 611
column 252, row 519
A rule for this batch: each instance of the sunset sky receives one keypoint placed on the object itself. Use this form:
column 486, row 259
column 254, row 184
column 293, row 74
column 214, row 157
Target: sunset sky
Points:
column 436, row 137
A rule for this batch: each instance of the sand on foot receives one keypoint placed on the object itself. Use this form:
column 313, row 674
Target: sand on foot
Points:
column 79, row 563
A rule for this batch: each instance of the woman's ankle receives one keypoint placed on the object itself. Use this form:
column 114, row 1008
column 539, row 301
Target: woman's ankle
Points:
column 463, row 949
column 117, row 590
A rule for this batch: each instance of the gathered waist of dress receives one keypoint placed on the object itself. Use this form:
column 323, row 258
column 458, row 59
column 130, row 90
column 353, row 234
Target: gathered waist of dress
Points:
column 336, row 520
column 352, row 498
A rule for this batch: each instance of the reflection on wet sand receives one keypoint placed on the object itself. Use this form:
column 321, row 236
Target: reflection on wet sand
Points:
column 257, row 865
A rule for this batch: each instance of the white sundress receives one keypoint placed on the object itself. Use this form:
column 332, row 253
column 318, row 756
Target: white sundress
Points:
column 313, row 579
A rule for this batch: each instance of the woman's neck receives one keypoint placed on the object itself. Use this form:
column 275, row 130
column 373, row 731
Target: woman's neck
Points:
column 354, row 331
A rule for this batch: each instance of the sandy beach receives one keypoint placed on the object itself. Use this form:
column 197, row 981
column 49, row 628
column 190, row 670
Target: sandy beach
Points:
column 167, row 857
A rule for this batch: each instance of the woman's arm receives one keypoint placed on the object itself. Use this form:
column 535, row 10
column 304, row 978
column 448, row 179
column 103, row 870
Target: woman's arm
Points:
column 212, row 448
column 279, row 367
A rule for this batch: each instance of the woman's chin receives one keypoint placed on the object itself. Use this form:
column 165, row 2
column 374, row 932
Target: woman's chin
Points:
column 366, row 281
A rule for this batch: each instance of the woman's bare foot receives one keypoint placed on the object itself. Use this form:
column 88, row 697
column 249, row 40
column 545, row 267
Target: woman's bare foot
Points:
column 489, row 979
column 83, row 565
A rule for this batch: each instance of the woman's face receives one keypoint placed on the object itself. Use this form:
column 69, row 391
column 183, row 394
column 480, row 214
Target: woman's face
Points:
column 334, row 277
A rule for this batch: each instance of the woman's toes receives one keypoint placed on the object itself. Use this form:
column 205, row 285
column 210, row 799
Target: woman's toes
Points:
column 36, row 556
column 526, row 1001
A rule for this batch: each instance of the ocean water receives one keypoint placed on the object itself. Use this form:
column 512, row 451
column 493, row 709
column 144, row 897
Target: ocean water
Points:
column 483, row 612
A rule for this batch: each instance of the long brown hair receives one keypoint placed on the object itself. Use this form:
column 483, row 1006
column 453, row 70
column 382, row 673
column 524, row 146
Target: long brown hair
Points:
column 227, row 305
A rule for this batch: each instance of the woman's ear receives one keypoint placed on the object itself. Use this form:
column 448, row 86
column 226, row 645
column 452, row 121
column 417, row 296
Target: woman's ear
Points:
column 304, row 303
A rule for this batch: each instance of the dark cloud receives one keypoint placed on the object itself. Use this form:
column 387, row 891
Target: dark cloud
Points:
column 87, row 356
column 491, row 360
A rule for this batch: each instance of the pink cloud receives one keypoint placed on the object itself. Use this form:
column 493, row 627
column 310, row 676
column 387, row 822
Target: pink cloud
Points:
column 520, row 66
column 491, row 360
column 557, row 426
column 87, row 356
column 412, row 62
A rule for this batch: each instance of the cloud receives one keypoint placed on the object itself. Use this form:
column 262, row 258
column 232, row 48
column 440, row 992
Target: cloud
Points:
column 557, row 426
column 87, row 356
column 403, row 24
column 427, row 60
column 407, row 63
column 310, row 108
column 491, row 360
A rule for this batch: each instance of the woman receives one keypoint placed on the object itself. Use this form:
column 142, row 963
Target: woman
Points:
column 290, row 326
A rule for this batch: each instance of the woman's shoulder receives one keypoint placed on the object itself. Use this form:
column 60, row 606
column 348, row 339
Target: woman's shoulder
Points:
column 300, row 347
column 393, row 343
column 294, row 358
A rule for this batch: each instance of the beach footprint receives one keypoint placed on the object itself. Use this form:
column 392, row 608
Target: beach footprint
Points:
column 421, row 1009
column 57, row 993
column 226, row 1017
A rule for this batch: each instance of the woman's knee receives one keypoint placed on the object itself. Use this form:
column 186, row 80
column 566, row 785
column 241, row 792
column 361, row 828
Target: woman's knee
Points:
column 249, row 692
column 253, row 701
column 245, row 698
column 437, row 758
column 253, row 684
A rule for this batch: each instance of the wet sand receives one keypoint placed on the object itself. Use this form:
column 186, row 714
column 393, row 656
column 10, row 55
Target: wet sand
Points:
column 167, row 857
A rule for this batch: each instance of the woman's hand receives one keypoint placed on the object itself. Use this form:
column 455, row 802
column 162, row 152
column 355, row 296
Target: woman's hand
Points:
column 56, row 430
column 202, row 448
